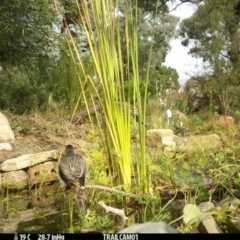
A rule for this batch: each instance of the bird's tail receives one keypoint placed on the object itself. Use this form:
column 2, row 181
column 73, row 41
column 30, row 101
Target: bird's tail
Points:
column 81, row 202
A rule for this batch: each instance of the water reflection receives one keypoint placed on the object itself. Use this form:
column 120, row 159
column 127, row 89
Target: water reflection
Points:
column 36, row 211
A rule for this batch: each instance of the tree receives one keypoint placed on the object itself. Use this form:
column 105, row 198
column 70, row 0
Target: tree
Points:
column 213, row 34
column 162, row 30
column 166, row 77
column 155, row 27
column 29, row 55
column 27, row 30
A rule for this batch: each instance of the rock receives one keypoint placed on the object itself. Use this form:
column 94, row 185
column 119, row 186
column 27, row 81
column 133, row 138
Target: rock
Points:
column 45, row 172
column 47, row 195
column 15, row 180
column 28, row 160
column 9, row 226
column 6, row 133
column 158, row 137
column 150, row 227
column 153, row 140
column 5, row 147
column 201, row 143
column 20, row 203
column 41, row 201
column 208, row 223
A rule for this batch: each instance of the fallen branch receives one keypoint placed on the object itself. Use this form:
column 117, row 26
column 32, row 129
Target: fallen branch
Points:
column 112, row 190
column 116, row 211
column 166, row 189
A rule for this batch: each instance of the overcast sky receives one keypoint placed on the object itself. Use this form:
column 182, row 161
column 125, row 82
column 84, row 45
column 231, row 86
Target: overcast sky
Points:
column 178, row 57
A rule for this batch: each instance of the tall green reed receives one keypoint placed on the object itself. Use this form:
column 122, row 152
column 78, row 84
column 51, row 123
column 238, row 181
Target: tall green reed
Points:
column 114, row 51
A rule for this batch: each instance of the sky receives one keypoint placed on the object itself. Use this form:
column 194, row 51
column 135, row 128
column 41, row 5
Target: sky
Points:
column 178, row 57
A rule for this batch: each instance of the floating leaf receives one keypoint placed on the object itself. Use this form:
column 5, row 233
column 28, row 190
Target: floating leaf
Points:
column 191, row 214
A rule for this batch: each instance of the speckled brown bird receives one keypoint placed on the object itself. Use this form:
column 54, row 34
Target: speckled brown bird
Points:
column 72, row 170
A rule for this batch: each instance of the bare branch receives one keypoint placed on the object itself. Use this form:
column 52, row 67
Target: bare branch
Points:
column 116, row 211
column 108, row 189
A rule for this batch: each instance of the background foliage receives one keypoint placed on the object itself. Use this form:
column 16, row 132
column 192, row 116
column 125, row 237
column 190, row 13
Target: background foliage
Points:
column 34, row 58
column 35, row 61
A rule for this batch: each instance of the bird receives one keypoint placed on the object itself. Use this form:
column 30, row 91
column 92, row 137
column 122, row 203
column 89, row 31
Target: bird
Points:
column 72, row 171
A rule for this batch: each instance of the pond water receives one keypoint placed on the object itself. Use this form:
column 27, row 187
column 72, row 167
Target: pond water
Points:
column 54, row 223
column 36, row 211
column 48, row 209
column 53, row 211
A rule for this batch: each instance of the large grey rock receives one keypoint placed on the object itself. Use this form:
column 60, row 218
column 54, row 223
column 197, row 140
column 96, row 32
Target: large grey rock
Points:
column 28, row 160
column 6, row 133
column 150, row 227
column 15, row 180
column 159, row 137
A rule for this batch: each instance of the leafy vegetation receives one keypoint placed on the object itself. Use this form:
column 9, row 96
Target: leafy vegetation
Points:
column 58, row 57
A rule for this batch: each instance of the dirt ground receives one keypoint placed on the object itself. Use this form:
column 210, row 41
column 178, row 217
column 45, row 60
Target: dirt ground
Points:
column 37, row 134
